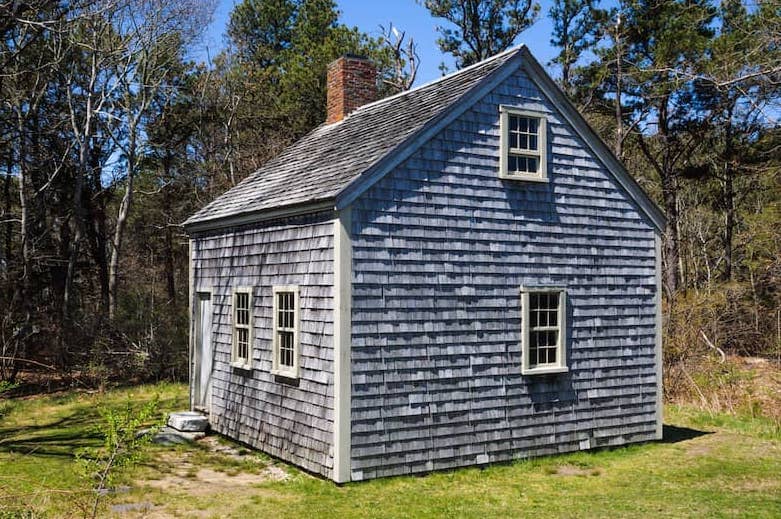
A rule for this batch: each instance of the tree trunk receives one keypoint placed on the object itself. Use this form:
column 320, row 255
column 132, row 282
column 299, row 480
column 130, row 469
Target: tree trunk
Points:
column 170, row 276
column 97, row 229
column 728, row 195
column 169, row 265
column 119, row 234
column 73, row 252
column 122, row 216
column 671, row 245
column 729, row 221
column 618, row 148
column 24, row 287
column 9, row 228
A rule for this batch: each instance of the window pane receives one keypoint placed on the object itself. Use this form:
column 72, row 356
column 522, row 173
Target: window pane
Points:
column 543, row 337
column 533, row 125
column 242, row 308
column 531, row 165
column 513, row 123
column 285, row 339
column 523, row 142
column 533, row 142
column 242, row 343
column 523, row 124
column 513, row 140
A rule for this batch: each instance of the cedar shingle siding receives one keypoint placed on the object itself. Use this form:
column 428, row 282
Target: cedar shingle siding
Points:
column 291, row 421
column 440, row 248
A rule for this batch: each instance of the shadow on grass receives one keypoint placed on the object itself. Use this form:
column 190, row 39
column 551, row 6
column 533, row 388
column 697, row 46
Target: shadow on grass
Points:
column 63, row 437
column 674, row 434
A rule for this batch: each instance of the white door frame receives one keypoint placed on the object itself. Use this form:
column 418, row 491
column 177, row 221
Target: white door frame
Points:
column 198, row 341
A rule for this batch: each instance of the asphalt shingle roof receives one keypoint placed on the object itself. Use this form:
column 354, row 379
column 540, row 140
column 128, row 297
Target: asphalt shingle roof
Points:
column 325, row 161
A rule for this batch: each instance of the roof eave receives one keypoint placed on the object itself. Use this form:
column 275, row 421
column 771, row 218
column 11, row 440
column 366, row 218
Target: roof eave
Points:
column 593, row 140
column 263, row 215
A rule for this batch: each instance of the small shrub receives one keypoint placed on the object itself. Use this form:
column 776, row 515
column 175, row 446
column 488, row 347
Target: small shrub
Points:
column 122, row 446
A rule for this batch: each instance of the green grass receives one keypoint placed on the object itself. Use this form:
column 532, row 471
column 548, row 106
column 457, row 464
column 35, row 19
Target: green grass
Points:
column 710, row 465
column 40, row 438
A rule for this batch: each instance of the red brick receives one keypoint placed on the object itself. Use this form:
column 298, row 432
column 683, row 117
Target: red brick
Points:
column 351, row 82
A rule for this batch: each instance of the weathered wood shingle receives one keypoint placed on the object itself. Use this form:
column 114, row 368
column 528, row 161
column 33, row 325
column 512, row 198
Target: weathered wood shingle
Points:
column 441, row 247
column 291, row 421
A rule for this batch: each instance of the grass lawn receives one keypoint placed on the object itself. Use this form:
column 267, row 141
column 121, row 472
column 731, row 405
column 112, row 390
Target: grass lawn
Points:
column 709, row 465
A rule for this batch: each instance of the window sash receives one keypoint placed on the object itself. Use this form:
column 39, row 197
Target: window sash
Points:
column 285, row 332
column 242, row 327
column 518, row 135
column 523, row 144
column 543, row 342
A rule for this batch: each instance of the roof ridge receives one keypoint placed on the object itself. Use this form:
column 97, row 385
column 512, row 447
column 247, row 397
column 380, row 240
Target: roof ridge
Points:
column 473, row 66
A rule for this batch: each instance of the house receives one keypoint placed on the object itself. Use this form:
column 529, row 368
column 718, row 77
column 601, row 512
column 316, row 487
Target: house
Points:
column 459, row 274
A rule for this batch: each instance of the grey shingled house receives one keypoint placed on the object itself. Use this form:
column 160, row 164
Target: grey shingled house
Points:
column 459, row 274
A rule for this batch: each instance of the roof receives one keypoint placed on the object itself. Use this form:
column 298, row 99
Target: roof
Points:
column 333, row 164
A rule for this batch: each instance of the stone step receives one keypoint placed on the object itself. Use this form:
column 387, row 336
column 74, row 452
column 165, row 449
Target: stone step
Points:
column 188, row 421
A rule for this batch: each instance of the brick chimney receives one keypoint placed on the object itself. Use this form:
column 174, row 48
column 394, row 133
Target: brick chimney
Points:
column 352, row 82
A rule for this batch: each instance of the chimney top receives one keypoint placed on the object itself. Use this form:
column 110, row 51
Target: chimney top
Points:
column 352, row 83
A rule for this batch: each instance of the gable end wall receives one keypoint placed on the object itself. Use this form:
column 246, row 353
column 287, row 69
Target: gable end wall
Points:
column 440, row 248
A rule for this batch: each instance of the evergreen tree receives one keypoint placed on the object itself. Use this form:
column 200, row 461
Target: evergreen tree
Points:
column 482, row 28
column 574, row 32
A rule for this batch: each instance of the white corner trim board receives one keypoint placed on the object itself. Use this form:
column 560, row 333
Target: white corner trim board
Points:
column 342, row 344
column 191, row 310
column 658, row 345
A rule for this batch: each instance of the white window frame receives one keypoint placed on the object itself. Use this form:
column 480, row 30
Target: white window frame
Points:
column 236, row 360
column 561, row 351
column 542, row 145
column 277, row 368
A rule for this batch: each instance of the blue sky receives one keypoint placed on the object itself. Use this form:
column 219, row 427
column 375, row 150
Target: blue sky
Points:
column 406, row 15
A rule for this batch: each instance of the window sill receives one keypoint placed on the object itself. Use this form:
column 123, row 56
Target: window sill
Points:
column 524, row 178
column 552, row 370
column 242, row 366
column 290, row 375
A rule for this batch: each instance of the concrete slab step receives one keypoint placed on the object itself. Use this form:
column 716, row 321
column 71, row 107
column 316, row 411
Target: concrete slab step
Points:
column 188, row 421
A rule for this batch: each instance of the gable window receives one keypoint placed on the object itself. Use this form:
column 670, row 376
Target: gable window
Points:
column 543, row 330
column 523, row 145
column 242, row 328
column 285, row 340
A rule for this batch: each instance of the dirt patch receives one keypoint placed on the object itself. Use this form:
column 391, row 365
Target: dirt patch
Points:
column 213, row 444
column 572, row 470
column 190, row 473
column 204, row 481
column 214, row 471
